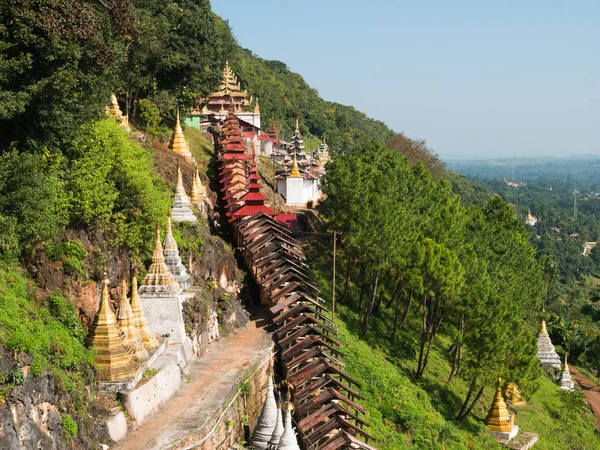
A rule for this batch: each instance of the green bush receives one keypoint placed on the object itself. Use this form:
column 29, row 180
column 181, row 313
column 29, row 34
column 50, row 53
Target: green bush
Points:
column 71, row 253
column 17, row 376
column 149, row 115
column 69, row 425
column 32, row 200
column 113, row 185
column 53, row 337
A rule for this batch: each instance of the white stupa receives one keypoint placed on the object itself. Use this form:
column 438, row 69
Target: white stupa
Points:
column 173, row 260
column 565, row 382
column 182, row 210
column 266, row 422
column 546, row 352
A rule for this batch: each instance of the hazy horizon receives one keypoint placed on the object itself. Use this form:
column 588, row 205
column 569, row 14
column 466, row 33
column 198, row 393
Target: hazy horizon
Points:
column 496, row 80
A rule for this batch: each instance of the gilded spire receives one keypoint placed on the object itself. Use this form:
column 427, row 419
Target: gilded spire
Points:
column 256, row 107
column 126, row 321
column 195, row 196
column 179, row 189
column 114, row 359
column 159, row 280
column 297, row 126
column 565, row 382
column 148, row 339
column 498, row 419
column 178, row 143
column 170, row 245
column 295, row 172
column 546, row 352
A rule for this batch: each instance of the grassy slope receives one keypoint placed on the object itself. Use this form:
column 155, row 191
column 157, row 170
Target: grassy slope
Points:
column 408, row 414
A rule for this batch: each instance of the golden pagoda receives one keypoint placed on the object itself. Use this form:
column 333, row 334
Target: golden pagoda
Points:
column 114, row 109
column 126, row 321
column 159, row 281
column 513, row 394
column 178, row 143
column 148, row 339
column 295, row 172
column 498, row 420
column 256, row 107
column 115, row 361
column 195, row 196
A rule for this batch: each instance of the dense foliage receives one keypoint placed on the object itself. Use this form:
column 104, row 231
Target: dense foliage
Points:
column 548, row 188
column 51, row 334
column 410, row 245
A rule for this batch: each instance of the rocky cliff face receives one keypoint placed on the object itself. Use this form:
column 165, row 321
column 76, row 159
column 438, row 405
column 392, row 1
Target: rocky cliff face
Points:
column 32, row 414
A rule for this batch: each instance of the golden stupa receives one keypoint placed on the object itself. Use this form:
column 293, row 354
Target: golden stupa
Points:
column 148, row 339
column 115, row 112
column 195, row 194
column 179, row 188
column 178, row 143
column 295, row 172
column 115, row 361
column 513, row 394
column 114, row 109
column 126, row 321
column 158, row 280
column 498, row 419
column 256, row 107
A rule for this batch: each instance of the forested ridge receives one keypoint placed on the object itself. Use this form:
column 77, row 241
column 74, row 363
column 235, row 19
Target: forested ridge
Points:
column 439, row 289
column 553, row 190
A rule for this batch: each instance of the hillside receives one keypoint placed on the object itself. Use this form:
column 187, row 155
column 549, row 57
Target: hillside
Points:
column 423, row 278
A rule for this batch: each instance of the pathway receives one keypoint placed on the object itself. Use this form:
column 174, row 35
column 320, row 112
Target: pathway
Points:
column 591, row 391
column 211, row 380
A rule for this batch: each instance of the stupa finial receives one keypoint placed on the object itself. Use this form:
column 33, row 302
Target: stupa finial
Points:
column 295, row 172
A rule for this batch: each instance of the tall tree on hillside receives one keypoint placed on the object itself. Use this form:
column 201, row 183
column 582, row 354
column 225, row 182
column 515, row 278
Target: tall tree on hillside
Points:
column 416, row 151
column 177, row 51
column 500, row 310
column 58, row 66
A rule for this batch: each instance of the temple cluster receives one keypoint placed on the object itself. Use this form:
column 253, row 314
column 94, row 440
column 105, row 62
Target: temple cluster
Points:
column 298, row 178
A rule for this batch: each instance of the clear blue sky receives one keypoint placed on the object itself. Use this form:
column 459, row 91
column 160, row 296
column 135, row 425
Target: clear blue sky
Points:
column 474, row 78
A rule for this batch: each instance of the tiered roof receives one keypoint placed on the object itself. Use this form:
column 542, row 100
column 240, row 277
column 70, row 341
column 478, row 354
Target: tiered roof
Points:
column 273, row 131
column 229, row 94
column 115, row 361
column 232, row 142
column 326, row 413
column 254, row 200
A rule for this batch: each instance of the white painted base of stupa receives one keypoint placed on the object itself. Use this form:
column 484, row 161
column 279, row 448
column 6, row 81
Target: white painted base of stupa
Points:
column 499, row 436
column 183, row 214
column 164, row 317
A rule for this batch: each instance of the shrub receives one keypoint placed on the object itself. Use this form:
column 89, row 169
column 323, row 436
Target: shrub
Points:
column 149, row 115
column 69, row 425
column 113, row 185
